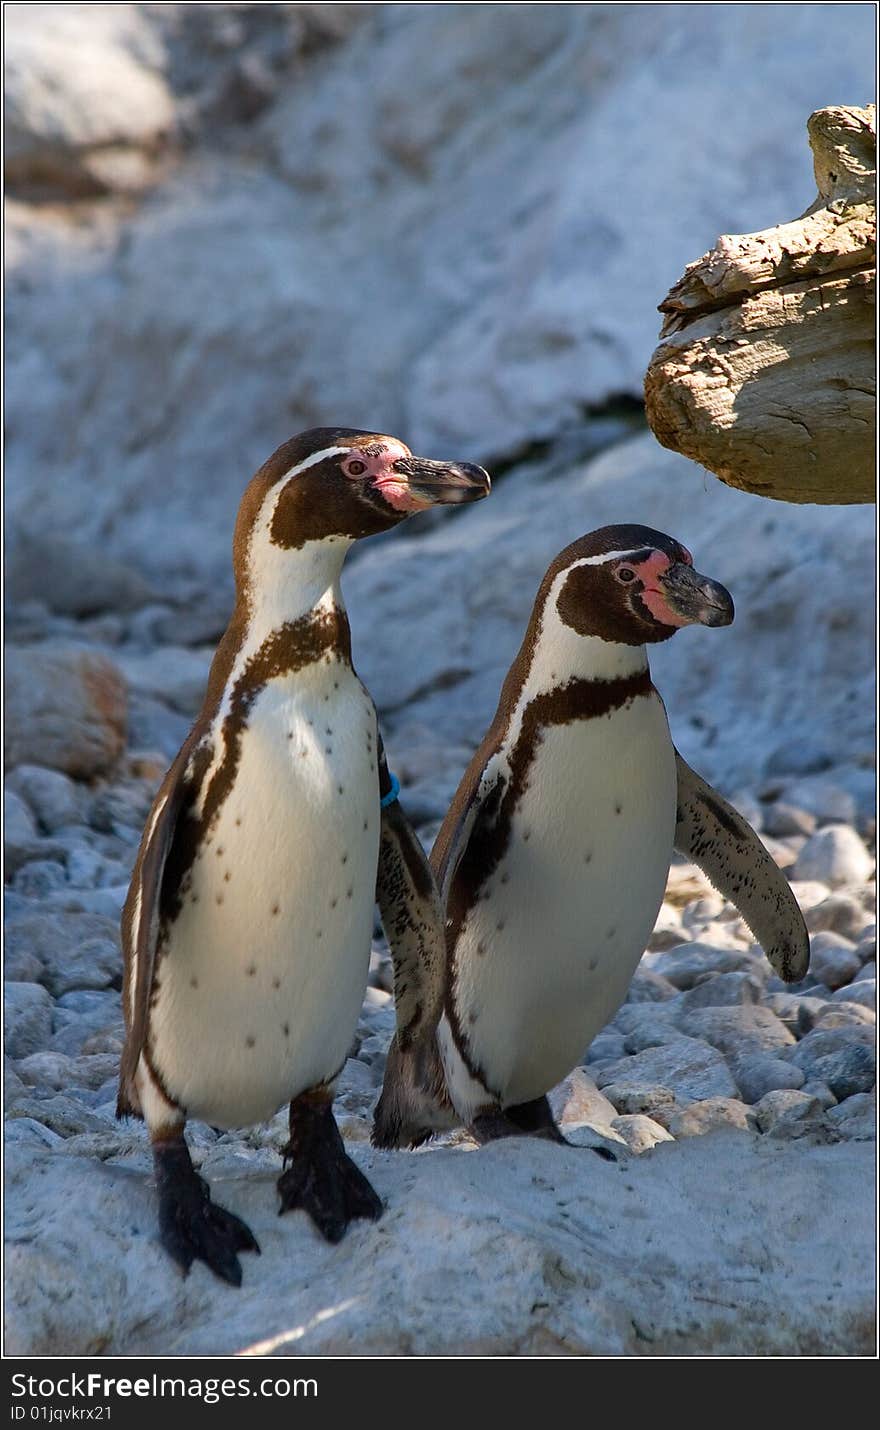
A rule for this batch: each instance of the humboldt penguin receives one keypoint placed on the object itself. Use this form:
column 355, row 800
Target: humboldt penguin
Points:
column 247, row 927
column 553, row 858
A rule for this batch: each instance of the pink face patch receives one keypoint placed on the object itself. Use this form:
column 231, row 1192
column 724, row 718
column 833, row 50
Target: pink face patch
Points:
column 649, row 573
column 374, row 464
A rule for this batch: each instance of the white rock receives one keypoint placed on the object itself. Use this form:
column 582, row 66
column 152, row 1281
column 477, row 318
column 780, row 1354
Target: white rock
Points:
column 758, row 1074
column 836, row 856
column 52, row 797
column 789, row 1114
column 863, row 992
column 840, row 913
column 737, row 1031
column 640, row 1133
column 578, row 1100
column 710, row 1114
column 82, row 83
column 541, row 1223
column 856, row 1118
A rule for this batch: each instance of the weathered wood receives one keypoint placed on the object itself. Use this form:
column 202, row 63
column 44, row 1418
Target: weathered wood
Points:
column 765, row 370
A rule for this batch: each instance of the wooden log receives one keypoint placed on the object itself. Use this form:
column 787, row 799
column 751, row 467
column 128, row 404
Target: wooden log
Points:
column 765, row 369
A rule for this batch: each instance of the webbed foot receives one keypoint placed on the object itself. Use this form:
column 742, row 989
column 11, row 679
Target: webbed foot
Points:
column 322, row 1179
column 191, row 1226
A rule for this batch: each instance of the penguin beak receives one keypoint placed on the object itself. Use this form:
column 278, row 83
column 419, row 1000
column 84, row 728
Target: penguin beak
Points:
column 443, row 483
column 693, row 598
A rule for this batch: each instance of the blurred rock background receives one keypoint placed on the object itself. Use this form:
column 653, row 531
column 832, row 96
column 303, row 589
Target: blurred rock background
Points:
column 226, row 223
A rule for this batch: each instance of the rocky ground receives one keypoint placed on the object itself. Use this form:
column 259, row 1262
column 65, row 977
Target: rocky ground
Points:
column 270, row 217
column 708, row 1042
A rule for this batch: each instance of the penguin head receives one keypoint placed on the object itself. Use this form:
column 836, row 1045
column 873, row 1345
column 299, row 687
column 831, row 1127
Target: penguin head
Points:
column 634, row 586
column 337, row 483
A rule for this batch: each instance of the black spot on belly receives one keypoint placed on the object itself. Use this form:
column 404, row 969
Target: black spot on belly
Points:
column 238, row 822
column 618, row 809
column 219, row 898
column 251, row 970
column 193, row 983
column 333, row 903
column 340, row 789
column 276, row 908
column 593, row 965
column 588, row 856
column 472, row 1018
column 345, row 858
column 500, row 926
column 328, row 749
column 505, row 879
column 219, row 850
column 276, row 982
column 319, row 933
column 349, row 892
column 285, row 1028
column 481, row 947
column 226, row 877
column 611, row 933
column 251, row 1041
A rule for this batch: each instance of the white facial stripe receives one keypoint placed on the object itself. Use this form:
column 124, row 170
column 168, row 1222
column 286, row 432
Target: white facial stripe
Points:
column 606, row 556
column 310, row 462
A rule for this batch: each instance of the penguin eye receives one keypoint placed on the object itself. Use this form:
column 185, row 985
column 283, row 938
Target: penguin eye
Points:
column 625, row 573
column 356, row 468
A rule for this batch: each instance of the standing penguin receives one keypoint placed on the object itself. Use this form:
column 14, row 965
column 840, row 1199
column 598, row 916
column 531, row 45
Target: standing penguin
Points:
column 247, row 927
column 554, row 855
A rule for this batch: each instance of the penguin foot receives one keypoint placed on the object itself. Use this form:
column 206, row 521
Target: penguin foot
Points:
column 529, row 1119
column 321, row 1178
column 191, row 1226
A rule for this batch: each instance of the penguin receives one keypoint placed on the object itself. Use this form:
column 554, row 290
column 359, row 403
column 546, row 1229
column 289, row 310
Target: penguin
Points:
column 553, row 858
column 247, row 927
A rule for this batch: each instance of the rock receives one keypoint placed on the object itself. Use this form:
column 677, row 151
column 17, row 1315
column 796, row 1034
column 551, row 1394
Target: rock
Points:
column 737, row 1031
column 804, row 756
column 866, row 949
column 71, row 577
column 578, row 1100
column 636, row 1099
column 847, row 1072
column 58, row 1072
column 50, row 795
column 66, row 1116
column 65, row 709
column 605, row 1047
column 27, row 1018
column 844, row 1015
column 710, row 1114
column 833, row 959
column 688, row 963
column 668, row 931
column 827, row 802
column 152, row 726
column 568, row 1224
column 823, row 1043
column 863, row 992
column 821, row 1091
column 757, row 1074
column 640, row 1133
column 783, row 819
column 789, row 1114
column 856, row 1118
column 20, row 837
column 835, row 855
column 838, row 914
column 96, row 963
column 723, row 990
column 40, row 878
column 809, row 893
column 67, row 134
column 689, row 1068
column 649, row 987
column 81, row 1015
column 796, row 1010
column 176, row 675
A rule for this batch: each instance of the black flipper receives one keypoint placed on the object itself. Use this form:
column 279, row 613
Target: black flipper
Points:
column 724, row 845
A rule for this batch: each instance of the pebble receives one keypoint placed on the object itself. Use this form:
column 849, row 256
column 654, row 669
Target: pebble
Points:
column 710, row 1114
column 65, row 1115
column 65, row 709
column 641, row 1099
column 578, row 1099
column 821, row 1091
column 840, row 913
column 688, row 1067
column 856, row 1118
column 851, row 1070
column 788, row 1113
column 640, row 1133
column 668, row 931
column 649, row 987
column 826, row 802
column 845, row 1015
column 757, row 1074
column 824, row 1043
column 40, row 878
column 737, row 1031
column 686, row 964
column 835, row 855
column 54, row 800
column 783, row 819
column 27, row 1018
column 723, row 990
column 606, row 1047
column 863, row 992
column 833, row 959
column 21, row 838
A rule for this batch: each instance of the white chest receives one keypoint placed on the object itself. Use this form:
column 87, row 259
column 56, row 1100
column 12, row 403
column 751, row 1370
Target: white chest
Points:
column 546, row 956
column 264, row 974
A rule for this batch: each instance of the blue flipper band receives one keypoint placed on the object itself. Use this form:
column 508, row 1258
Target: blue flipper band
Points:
column 392, row 794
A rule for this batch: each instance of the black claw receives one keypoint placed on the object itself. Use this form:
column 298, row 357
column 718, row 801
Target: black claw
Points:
column 322, row 1180
column 191, row 1226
